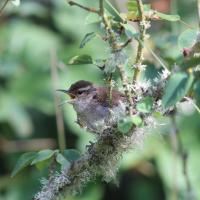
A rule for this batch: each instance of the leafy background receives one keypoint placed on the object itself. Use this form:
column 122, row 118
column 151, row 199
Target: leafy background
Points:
column 28, row 33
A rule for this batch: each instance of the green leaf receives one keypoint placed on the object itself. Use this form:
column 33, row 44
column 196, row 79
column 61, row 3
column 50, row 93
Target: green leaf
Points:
column 130, row 31
column 136, row 120
column 71, row 154
column 196, row 89
column 191, row 62
column 42, row 155
column 171, row 18
column 23, row 162
column 87, row 38
column 62, row 160
column 125, row 125
column 80, row 60
column 43, row 164
column 145, row 105
column 176, row 88
column 132, row 6
column 187, row 38
column 92, row 18
column 109, row 7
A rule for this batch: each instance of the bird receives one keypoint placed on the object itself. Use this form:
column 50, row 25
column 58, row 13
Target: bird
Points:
column 95, row 109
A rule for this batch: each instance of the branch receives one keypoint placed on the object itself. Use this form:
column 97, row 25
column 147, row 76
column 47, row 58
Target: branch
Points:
column 72, row 3
column 101, row 158
column 142, row 28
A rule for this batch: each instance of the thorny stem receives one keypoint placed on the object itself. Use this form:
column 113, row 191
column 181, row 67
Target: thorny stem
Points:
column 142, row 30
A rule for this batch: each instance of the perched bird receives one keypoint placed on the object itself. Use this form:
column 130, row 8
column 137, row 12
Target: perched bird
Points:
column 95, row 110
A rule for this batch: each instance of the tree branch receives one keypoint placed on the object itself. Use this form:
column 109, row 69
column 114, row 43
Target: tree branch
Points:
column 73, row 3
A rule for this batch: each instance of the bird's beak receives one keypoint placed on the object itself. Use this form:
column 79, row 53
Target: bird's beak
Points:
column 67, row 92
column 71, row 101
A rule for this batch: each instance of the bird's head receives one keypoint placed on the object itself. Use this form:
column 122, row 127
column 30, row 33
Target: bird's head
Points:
column 78, row 90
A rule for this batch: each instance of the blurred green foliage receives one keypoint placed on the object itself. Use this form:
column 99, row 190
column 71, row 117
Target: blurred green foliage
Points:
column 28, row 33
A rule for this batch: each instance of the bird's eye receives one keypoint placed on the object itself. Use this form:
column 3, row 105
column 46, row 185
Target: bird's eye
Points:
column 80, row 92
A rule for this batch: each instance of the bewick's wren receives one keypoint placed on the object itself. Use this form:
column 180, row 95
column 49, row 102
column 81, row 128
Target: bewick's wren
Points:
column 94, row 109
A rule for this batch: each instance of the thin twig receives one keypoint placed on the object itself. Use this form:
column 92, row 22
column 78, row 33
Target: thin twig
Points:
column 4, row 5
column 142, row 30
column 59, row 115
column 73, row 3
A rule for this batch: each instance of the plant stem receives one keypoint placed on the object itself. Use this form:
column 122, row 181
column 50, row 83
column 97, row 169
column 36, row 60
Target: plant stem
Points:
column 142, row 30
column 59, row 115
column 72, row 3
column 4, row 5
column 198, row 7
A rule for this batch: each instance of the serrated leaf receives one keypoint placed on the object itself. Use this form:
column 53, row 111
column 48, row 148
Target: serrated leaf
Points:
column 176, row 88
column 62, row 161
column 130, row 31
column 87, row 38
column 80, row 60
column 71, row 154
column 23, row 162
column 42, row 155
column 145, row 105
column 167, row 17
column 187, row 38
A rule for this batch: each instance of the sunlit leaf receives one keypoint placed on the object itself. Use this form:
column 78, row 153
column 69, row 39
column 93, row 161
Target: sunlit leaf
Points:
column 42, row 155
column 88, row 37
column 23, row 162
column 80, row 59
column 176, row 88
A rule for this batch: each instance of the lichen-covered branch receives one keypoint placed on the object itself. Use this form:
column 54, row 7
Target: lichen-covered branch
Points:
column 101, row 158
